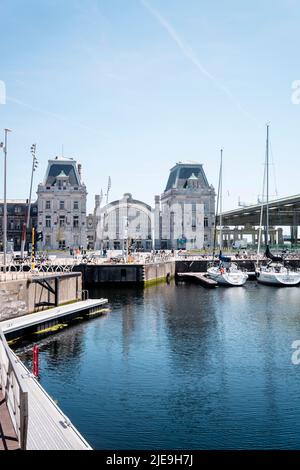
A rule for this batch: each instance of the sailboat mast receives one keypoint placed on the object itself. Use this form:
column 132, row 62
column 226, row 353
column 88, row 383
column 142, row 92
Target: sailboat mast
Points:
column 267, row 206
column 216, row 216
column 221, row 200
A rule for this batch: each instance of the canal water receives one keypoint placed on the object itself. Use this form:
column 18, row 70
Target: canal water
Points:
column 181, row 367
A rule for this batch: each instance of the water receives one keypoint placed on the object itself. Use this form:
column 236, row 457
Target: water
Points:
column 174, row 367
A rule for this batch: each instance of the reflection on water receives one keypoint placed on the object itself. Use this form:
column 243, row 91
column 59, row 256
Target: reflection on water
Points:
column 181, row 367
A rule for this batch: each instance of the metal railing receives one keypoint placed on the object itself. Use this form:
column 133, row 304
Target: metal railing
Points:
column 15, row 392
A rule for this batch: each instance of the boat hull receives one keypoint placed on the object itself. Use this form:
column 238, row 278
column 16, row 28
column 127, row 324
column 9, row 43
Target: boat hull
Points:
column 234, row 279
column 278, row 279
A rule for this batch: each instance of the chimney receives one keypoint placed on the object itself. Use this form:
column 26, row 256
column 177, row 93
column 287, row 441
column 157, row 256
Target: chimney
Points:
column 79, row 166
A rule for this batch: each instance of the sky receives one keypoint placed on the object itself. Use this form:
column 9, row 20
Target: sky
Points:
column 130, row 87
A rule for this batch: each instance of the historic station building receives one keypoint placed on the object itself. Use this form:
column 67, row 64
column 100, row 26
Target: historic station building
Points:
column 185, row 212
column 62, row 205
column 126, row 222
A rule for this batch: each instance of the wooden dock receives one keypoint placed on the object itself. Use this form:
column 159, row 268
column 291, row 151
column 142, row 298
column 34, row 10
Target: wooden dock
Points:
column 29, row 418
column 48, row 427
column 8, row 437
column 200, row 278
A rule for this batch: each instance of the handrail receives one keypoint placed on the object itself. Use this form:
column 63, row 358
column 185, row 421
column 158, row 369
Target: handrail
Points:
column 15, row 391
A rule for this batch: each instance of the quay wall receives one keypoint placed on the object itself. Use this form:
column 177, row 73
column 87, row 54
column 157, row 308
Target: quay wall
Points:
column 103, row 273
column 126, row 273
column 200, row 266
column 19, row 297
column 158, row 271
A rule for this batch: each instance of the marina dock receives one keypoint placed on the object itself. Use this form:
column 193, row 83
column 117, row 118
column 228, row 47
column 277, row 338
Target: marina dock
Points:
column 47, row 319
column 201, row 278
column 29, row 418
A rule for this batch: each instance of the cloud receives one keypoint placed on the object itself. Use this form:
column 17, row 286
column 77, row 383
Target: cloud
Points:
column 57, row 117
column 192, row 57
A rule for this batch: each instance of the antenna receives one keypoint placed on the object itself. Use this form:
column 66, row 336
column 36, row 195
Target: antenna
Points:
column 108, row 189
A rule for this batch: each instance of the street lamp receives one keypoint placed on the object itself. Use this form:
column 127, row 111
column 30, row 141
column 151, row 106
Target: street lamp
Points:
column 26, row 225
column 125, row 251
column 4, row 146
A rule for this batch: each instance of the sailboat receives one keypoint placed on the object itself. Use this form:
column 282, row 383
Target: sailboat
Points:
column 274, row 272
column 225, row 272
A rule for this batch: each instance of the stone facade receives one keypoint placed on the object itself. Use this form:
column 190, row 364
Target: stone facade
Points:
column 16, row 218
column 185, row 212
column 62, row 206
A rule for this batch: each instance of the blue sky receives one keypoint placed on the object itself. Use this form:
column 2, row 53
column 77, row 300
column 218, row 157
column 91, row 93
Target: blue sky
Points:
column 130, row 87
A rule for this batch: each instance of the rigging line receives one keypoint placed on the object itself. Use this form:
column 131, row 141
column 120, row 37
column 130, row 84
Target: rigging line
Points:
column 274, row 169
column 261, row 211
column 216, row 213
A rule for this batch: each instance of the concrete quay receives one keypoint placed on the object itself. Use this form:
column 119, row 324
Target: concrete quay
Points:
column 159, row 271
column 143, row 274
column 23, row 292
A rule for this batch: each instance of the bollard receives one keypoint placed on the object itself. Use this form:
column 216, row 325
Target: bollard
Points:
column 36, row 361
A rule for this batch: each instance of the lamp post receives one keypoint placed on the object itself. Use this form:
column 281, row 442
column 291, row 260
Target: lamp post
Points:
column 26, row 224
column 125, row 250
column 6, row 131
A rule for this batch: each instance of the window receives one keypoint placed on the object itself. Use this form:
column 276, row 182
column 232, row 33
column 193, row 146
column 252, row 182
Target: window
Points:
column 48, row 221
column 61, row 205
column 17, row 210
column 75, row 221
column 76, row 205
column 62, row 244
column 48, row 205
column 194, row 222
column 48, row 240
column 205, row 222
column 62, row 221
column 205, row 238
column 11, row 225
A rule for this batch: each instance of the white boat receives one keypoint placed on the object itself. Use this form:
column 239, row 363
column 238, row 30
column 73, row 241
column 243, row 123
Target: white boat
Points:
column 225, row 272
column 230, row 276
column 275, row 272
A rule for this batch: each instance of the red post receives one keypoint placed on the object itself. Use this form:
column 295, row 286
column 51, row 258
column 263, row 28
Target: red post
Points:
column 36, row 361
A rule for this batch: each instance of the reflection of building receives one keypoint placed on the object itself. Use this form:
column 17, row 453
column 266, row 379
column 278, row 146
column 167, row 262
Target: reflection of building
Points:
column 126, row 219
column 16, row 217
column 184, row 214
column 62, row 205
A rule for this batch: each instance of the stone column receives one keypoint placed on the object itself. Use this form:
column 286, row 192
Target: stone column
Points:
column 294, row 234
column 157, row 223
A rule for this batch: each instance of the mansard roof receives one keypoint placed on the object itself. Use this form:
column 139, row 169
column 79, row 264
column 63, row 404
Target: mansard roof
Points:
column 181, row 172
column 62, row 167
